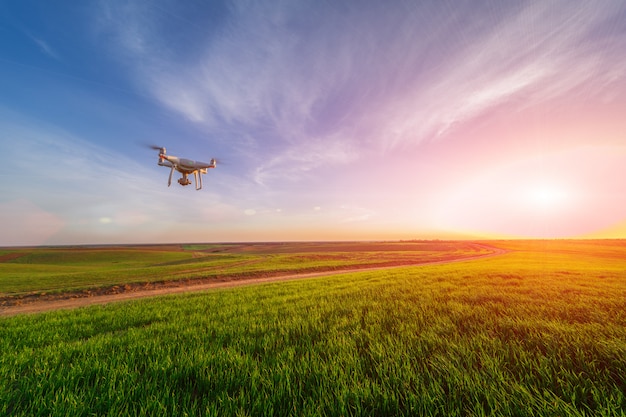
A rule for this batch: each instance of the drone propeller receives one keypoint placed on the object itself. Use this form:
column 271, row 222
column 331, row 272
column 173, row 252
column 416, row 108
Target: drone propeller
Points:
column 157, row 148
column 152, row 146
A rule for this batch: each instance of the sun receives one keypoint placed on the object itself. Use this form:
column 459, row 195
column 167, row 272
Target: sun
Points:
column 545, row 196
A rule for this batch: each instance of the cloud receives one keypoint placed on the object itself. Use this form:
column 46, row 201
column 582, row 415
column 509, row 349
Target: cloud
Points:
column 532, row 55
column 290, row 73
column 49, row 155
column 302, row 159
column 353, row 214
column 45, row 47
column 43, row 44
column 25, row 224
column 84, row 190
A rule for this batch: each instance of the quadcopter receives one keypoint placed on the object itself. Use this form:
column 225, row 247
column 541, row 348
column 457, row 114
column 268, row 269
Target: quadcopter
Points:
column 184, row 166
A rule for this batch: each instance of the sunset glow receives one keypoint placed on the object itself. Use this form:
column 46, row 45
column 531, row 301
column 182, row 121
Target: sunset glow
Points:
column 546, row 197
column 334, row 121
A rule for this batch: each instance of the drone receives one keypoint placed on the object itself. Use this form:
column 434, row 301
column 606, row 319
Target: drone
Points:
column 184, row 166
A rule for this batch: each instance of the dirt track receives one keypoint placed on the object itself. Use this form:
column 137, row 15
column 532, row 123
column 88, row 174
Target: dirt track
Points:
column 42, row 304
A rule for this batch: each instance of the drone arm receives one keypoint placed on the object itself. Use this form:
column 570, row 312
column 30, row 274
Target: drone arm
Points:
column 165, row 163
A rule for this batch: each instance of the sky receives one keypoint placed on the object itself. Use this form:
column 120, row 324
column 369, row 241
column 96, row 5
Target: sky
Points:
column 331, row 120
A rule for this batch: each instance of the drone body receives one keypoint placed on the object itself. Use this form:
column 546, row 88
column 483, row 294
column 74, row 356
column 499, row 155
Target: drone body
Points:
column 185, row 167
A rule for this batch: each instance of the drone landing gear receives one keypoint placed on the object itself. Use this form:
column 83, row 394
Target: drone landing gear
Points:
column 169, row 181
column 184, row 180
column 198, row 177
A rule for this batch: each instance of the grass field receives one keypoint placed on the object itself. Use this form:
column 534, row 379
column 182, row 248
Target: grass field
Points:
column 32, row 270
column 540, row 330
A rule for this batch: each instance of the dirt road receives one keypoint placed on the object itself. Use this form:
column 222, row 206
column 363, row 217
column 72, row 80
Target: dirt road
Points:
column 42, row 304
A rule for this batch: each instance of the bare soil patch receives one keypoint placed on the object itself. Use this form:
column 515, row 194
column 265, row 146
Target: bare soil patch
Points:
column 11, row 256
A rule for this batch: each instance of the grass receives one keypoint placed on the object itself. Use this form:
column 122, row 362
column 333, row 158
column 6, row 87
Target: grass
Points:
column 36, row 270
column 538, row 331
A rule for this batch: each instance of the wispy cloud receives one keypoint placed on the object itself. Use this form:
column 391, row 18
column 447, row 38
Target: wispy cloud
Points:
column 299, row 161
column 373, row 112
column 534, row 54
column 394, row 79
column 43, row 45
column 45, row 48
column 106, row 194
column 353, row 214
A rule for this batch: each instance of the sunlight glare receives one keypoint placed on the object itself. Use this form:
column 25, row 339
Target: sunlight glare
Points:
column 546, row 196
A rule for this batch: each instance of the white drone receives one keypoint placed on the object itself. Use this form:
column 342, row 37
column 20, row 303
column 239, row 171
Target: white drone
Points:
column 184, row 166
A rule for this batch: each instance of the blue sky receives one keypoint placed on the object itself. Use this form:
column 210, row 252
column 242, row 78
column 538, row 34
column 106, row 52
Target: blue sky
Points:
column 334, row 120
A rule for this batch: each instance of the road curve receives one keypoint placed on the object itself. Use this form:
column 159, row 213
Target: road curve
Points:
column 43, row 305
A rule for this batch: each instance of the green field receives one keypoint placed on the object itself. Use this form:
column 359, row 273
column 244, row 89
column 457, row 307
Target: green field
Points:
column 36, row 270
column 540, row 330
